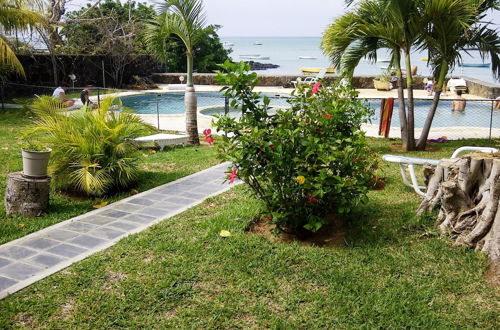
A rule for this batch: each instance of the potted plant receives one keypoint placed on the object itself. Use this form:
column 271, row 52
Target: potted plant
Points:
column 383, row 82
column 35, row 159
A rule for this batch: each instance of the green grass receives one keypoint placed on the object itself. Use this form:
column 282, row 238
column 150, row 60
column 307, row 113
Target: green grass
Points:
column 156, row 169
column 393, row 271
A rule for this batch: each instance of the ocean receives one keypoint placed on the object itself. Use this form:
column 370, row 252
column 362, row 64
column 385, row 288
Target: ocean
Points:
column 285, row 52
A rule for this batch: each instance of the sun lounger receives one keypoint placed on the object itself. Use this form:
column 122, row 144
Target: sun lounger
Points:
column 163, row 140
column 310, row 80
column 410, row 163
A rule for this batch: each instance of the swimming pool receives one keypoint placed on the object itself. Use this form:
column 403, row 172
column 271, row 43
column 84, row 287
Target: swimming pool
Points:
column 477, row 114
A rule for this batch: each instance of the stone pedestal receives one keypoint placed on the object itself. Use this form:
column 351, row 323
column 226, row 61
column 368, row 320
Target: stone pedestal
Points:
column 26, row 196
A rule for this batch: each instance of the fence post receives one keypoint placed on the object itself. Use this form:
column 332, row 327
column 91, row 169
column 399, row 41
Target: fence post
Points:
column 2, row 95
column 491, row 117
column 99, row 97
column 157, row 112
column 226, row 105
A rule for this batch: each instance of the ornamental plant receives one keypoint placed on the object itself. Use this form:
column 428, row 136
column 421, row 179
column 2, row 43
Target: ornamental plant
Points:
column 93, row 151
column 302, row 162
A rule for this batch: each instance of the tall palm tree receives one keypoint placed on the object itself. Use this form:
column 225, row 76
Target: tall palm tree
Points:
column 14, row 14
column 375, row 24
column 182, row 18
column 454, row 26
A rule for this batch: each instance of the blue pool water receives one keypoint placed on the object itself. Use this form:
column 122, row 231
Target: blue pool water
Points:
column 476, row 114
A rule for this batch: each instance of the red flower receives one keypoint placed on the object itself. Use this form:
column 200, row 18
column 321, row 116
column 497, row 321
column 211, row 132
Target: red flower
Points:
column 268, row 218
column 311, row 199
column 209, row 139
column 233, row 175
column 315, row 88
column 328, row 116
column 207, row 132
column 357, row 160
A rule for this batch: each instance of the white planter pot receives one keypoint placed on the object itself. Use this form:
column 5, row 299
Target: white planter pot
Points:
column 35, row 163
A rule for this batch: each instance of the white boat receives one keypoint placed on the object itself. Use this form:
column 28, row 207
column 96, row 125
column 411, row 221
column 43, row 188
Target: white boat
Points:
column 257, row 43
column 255, row 57
column 307, row 58
column 250, row 56
column 383, row 60
column 227, row 43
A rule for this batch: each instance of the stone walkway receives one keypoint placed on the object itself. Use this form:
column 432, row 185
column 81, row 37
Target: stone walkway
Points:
column 40, row 254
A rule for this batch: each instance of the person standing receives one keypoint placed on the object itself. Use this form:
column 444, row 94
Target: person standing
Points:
column 460, row 103
column 60, row 93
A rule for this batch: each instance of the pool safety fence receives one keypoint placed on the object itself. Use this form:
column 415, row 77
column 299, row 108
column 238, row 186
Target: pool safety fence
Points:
column 21, row 94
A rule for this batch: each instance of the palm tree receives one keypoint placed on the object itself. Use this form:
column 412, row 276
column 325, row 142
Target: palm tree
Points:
column 14, row 14
column 375, row 24
column 183, row 19
column 454, row 26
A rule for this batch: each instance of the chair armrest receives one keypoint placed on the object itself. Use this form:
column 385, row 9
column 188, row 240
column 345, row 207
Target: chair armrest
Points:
column 481, row 149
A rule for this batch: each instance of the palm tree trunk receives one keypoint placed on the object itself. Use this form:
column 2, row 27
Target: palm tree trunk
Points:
column 411, row 104
column 191, row 105
column 422, row 141
column 401, row 102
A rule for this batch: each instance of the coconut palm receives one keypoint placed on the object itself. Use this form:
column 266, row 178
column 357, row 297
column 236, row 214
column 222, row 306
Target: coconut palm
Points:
column 14, row 14
column 183, row 19
column 371, row 25
column 458, row 26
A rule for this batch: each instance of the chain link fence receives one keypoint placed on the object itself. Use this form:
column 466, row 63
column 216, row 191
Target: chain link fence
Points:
column 479, row 119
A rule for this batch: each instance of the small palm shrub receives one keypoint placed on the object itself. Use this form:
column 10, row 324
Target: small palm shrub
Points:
column 302, row 162
column 92, row 150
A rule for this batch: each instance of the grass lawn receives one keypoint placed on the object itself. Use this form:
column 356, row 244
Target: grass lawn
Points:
column 156, row 169
column 393, row 271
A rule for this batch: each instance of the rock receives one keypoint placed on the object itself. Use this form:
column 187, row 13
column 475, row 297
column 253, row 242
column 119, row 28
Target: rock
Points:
column 257, row 66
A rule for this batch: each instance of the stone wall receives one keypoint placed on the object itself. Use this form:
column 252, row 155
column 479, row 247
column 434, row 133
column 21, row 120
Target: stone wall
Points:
column 87, row 68
column 266, row 79
column 483, row 89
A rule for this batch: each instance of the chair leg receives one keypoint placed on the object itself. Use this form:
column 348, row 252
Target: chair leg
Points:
column 414, row 181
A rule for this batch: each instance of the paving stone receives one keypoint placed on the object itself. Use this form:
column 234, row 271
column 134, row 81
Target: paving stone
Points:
column 60, row 235
column 163, row 205
column 4, row 262
column 157, row 212
column 155, row 197
column 19, row 271
column 106, row 233
column 179, row 200
column 141, row 218
column 124, row 225
column 40, row 243
column 80, row 227
column 98, row 220
column 116, row 214
column 17, row 252
column 127, row 207
column 67, row 250
column 193, row 195
column 141, row 201
column 87, row 241
column 45, row 260
column 6, row 283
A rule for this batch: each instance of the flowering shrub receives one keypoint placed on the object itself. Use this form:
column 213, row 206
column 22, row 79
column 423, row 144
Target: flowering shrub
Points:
column 303, row 162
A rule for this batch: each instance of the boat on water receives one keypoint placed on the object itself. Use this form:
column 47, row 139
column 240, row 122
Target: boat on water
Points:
column 383, row 60
column 316, row 70
column 307, row 58
column 227, row 43
column 249, row 55
column 257, row 43
column 475, row 65
column 424, row 59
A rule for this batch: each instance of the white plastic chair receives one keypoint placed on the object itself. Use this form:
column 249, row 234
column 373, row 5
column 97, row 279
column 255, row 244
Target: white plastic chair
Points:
column 410, row 163
column 310, row 80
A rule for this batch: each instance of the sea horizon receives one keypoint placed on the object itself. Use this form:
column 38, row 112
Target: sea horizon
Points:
column 292, row 53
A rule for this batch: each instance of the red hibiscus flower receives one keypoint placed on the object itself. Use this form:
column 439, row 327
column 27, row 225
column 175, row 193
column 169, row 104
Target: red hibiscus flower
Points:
column 233, row 175
column 328, row 116
column 209, row 139
column 311, row 199
column 315, row 88
column 207, row 132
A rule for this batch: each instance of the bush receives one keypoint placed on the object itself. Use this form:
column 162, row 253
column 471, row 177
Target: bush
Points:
column 302, row 162
column 92, row 150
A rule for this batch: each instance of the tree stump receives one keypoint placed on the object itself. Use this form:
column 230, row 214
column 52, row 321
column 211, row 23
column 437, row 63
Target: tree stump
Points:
column 26, row 196
column 468, row 193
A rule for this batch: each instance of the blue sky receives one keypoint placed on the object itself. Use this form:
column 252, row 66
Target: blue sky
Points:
column 241, row 18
